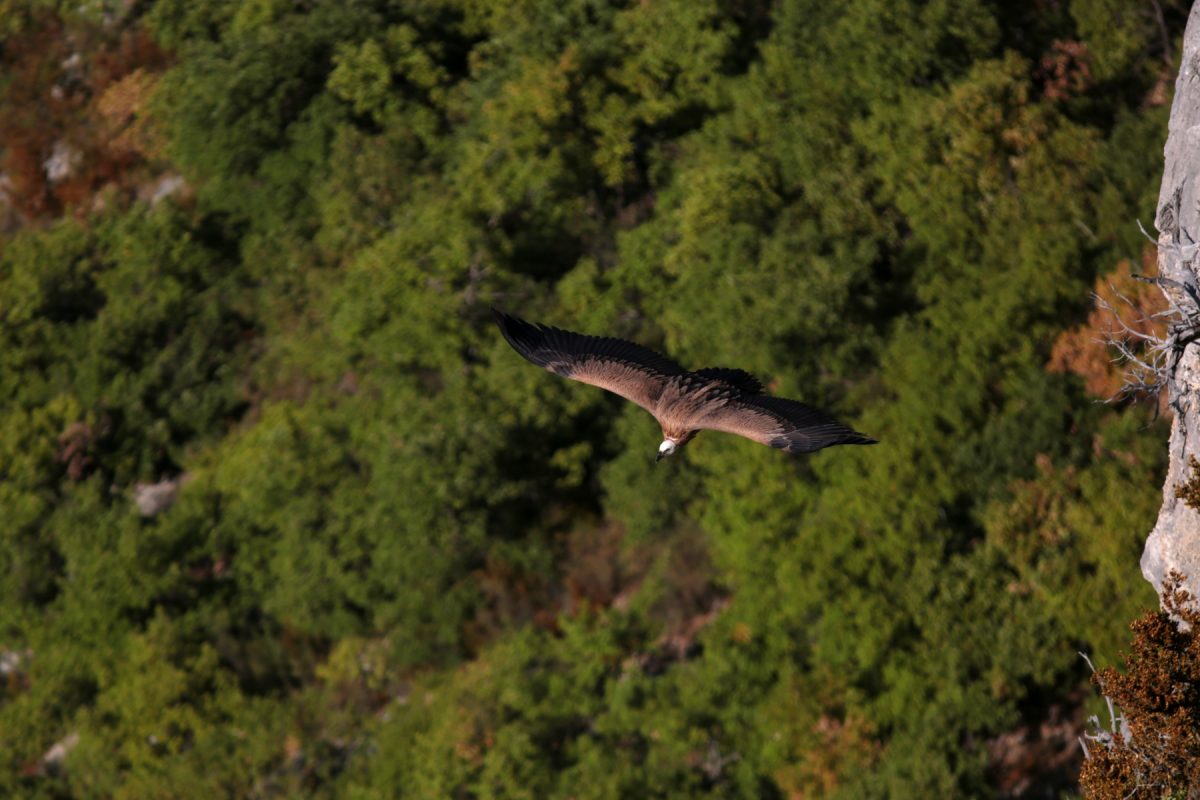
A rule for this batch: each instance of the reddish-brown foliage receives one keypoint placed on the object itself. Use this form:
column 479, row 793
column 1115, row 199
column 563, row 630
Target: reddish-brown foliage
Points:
column 61, row 143
column 1189, row 491
column 1038, row 758
column 1083, row 350
column 1158, row 755
column 76, row 445
column 1065, row 71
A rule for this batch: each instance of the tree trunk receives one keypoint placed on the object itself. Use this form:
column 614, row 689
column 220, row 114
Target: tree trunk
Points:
column 1174, row 544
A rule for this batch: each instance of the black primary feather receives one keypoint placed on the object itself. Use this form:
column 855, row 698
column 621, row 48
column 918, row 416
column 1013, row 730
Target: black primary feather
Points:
column 738, row 378
column 806, row 429
column 556, row 349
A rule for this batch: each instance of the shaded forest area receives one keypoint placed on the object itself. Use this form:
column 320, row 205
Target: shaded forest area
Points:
column 282, row 515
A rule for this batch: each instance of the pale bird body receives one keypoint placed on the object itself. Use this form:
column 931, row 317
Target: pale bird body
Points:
column 684, row 403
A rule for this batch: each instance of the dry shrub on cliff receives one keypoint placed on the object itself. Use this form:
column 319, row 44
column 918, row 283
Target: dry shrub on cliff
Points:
column 1153, row 748
column 1087, row 350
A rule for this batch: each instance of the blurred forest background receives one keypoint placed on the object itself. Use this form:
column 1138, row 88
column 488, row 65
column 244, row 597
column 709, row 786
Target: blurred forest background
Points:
column 282, row 514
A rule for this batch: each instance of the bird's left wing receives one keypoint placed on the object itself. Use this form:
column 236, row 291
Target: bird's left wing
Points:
column 780, row 423
column 624, row 368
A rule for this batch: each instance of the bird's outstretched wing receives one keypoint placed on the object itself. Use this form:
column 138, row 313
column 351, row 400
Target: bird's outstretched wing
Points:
column 629, row 370
column 780, row 423
column 740, row 379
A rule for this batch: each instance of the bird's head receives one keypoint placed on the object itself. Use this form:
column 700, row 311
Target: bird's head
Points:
column 665, row 449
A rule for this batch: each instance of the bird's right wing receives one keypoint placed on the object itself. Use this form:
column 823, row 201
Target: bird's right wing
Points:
column 780, row 423
column 624, row 368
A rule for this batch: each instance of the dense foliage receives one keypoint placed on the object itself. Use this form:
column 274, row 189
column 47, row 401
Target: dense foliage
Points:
column 1150, row 748
column 248, row 256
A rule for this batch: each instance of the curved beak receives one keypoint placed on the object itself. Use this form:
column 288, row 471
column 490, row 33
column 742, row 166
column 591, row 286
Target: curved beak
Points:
column 658, row 456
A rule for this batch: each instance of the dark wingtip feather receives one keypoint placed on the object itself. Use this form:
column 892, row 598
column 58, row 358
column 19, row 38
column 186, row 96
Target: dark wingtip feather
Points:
column 557, row 349
column 521, row 335
column 808, row 447
column 506, row 322
column 853, row 437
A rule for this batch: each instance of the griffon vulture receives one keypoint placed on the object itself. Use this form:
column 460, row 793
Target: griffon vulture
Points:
column 684, row 403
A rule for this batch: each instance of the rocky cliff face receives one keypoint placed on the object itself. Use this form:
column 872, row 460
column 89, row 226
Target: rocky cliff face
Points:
column 1174, row 544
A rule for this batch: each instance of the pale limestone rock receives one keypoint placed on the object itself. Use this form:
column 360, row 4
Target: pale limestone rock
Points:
column 1174, row 544
column 154, row 498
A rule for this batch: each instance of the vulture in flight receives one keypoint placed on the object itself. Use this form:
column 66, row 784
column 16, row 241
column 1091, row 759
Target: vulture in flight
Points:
column 684, row 403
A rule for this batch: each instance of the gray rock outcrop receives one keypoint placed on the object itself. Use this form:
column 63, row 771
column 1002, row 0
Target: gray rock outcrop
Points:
column 1174, row 544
